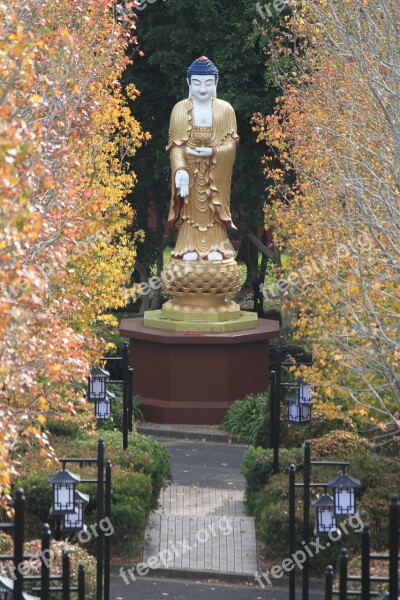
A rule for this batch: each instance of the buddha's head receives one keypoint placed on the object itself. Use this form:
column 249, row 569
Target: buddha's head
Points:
column 202, row 77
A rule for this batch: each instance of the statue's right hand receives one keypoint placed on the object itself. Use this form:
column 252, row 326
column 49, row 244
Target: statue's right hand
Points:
column 182, row 182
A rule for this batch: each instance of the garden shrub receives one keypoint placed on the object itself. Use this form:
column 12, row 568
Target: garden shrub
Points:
column 63, row 427
column 267, row 494
column 257, row 468
column 143, row 455
column 131, row 504
column 247, row 418
column 139, row 474
column 77, row 555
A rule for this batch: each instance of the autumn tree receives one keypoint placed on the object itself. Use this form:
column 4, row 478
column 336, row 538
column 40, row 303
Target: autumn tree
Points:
column 335, row 133
column 66, row 134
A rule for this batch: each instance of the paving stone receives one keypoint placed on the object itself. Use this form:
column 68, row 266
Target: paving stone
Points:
column 202, row 529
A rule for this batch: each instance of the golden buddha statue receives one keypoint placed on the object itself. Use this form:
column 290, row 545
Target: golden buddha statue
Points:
column 202, row 271
column 202, row 145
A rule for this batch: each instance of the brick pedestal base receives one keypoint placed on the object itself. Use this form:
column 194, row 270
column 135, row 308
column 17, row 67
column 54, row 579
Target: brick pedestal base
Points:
column 189, row 378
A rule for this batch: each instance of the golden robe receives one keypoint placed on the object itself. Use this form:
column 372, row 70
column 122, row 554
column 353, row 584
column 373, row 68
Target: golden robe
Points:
column 203, row 217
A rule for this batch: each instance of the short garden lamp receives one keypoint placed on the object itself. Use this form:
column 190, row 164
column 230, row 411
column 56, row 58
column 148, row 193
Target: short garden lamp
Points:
column 326, row 520
column 298, row 414
column 102, row 408
column 64, row 484
column 6, row 588
column 344, row 494
column 97, row 384
column 75, row 521
column 304, row 392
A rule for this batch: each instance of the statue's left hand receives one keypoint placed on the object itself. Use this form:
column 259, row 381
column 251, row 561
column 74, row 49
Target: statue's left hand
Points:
column 201, row 151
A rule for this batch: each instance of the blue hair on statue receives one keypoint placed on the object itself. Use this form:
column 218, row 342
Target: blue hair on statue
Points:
column 202, row 66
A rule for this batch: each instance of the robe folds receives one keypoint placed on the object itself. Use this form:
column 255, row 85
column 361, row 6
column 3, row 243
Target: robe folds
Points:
column 203, row 217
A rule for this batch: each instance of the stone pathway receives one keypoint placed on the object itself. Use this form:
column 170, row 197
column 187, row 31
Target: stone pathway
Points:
column 201, row 529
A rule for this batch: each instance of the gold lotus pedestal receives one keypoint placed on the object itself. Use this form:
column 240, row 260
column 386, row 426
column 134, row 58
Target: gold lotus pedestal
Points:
column 200, row 290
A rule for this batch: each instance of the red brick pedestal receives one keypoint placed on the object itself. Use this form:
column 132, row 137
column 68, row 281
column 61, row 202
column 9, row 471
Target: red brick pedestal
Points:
column 193, row 378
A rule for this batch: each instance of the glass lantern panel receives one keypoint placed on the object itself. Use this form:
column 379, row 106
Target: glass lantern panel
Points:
column 97, row 387
column 344, row 501
column 64, row 496
column 326, row 519
column 74, row 520
column 305, row 393
column 293, row 412
column 102, row 409
column 305, row 413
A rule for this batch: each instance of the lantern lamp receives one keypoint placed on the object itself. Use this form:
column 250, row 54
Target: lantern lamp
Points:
column 344, row 494
column 304, row 392
column 74, row 521
column 64, row 484
column 298, row 414
column 326, row 520
column 102, row 408
column 97, row 384
column 6, row 588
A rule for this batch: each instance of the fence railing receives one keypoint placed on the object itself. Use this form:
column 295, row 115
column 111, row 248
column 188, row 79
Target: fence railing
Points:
column 365, row 579
column 13, row 587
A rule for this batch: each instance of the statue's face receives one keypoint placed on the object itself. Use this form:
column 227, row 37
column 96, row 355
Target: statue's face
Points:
column 203, row 88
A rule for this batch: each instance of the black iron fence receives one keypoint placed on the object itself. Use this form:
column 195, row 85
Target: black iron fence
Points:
column 12, row 588
column 365, row 579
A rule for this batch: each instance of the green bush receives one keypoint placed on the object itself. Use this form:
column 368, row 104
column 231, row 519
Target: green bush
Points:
column 63, row 427
column 267, row 494
column 138, row 476
column 248, row 418
column 257, row 469
column 130, row 508
column 143, row 455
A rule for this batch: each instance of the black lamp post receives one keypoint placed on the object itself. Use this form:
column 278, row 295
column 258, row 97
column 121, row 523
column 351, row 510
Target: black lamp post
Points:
column 74, row 522
column 73, row 519
column 344, row 494
column 64, row 484
column 326, row 520
column 97, row 384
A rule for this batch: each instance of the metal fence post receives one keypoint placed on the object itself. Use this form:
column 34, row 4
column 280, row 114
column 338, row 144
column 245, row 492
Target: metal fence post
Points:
column 393, row 547
column 343, row 574
column 292, row 528
column 306, row 516
column 100, row 514
column 19, row 506
column 107, row 539
column 328, row 582
column 65, row 576
column 365, row 551
column 45, row 566
column 81, row 582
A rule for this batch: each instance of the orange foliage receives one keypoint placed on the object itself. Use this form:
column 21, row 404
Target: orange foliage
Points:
column 65, row 135
column 334, row 204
